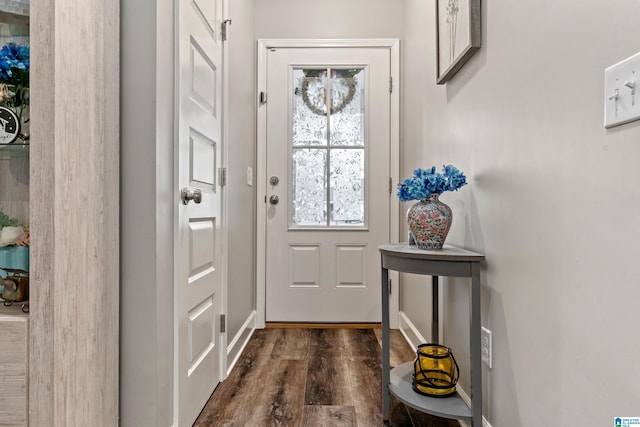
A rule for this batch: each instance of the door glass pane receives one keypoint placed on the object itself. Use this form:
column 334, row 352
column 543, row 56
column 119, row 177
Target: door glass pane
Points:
column 347, row 187
column 309, row 112
column 309, row 187
column 347, row 101
column 327, row 147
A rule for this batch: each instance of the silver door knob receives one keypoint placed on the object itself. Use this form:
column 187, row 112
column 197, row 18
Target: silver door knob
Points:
column 274, row 199
column 187, row 195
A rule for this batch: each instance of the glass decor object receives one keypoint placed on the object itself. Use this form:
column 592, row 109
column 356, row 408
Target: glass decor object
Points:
column 435, row 371
column 328, row 150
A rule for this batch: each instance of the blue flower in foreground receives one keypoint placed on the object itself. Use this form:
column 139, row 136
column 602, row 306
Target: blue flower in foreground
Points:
column 14, row 75
column 14, row 57
column 427, row 181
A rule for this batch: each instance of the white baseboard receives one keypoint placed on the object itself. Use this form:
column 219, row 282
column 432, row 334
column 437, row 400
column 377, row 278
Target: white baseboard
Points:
column 415, row 338
column 239, row 342
column 410, row 332
column 463, row 394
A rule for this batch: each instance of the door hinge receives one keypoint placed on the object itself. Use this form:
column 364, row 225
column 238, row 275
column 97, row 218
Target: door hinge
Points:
column 263, row 98
column 390, row 185
column 222, row 176
column 390, row 286
column 223, row 29
column 223, row 323
column 390, row 84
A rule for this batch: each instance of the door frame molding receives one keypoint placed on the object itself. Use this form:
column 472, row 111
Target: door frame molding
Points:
column 261, row 155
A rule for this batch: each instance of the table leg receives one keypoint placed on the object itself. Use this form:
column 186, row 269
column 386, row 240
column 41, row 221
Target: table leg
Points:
column 435, row 330
column 386, row 398
column 476, row 352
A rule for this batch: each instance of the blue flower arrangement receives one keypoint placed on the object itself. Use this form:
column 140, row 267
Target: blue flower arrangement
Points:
column 427, row 181
column 14, row 74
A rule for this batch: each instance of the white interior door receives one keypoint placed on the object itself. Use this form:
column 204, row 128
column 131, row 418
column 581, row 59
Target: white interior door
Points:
column 198, row 289
column 327, row 172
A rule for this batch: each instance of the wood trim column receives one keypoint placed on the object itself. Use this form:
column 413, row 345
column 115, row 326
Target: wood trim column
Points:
column 41, row 83
column 73, row 378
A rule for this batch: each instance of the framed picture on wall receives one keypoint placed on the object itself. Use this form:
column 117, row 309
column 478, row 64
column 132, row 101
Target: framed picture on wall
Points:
column 458, row 35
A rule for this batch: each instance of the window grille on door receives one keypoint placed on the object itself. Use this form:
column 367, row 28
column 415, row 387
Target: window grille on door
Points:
column 328, row 150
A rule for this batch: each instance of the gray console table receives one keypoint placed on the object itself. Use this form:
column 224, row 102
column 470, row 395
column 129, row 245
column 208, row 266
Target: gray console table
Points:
column 448, row 261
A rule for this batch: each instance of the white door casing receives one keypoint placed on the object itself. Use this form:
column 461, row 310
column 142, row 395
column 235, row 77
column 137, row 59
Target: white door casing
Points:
column 327, row 273
column 199, row 348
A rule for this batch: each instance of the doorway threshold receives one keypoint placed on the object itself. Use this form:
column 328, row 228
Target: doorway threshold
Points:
column 304, row 325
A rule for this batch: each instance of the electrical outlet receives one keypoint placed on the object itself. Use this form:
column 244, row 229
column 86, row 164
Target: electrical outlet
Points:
column 486, row 344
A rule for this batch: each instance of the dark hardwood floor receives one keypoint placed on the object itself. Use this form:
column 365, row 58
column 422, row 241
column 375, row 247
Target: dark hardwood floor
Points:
column 311, row 378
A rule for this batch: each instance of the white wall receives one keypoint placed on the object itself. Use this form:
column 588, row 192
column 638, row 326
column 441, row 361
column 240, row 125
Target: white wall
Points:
column 147, row 203
column 552, row 202
column 241, row 145
column 328, row 19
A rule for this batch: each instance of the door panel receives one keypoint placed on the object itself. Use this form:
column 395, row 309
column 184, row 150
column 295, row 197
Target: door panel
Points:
column 210, row 11
column 198, row 294
column 202, row 239
column 351, row 266
column 201, row 330
column 203, row 160
column 203, row 78
column 304, row 266
column 328, row 144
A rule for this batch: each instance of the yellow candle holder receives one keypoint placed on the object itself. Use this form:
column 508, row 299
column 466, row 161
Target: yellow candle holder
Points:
column 435, row 371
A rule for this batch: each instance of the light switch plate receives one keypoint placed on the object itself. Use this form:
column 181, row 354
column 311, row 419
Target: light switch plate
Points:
column 249, row 176
column 622, row 92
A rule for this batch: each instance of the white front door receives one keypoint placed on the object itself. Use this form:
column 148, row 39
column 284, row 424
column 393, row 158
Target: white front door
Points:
column 327, row 182
column 198, row 287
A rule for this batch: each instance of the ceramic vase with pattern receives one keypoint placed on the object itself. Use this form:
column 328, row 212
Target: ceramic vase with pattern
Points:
column 429, row 222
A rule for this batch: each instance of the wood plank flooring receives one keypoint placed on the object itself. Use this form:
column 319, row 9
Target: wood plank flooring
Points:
column 311, row 378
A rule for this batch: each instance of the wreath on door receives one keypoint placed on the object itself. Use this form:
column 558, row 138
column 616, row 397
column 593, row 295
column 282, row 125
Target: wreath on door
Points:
column 345, row 96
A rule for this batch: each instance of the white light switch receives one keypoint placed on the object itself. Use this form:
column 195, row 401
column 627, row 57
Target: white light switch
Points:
column 249, row 176
column 622, row 92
